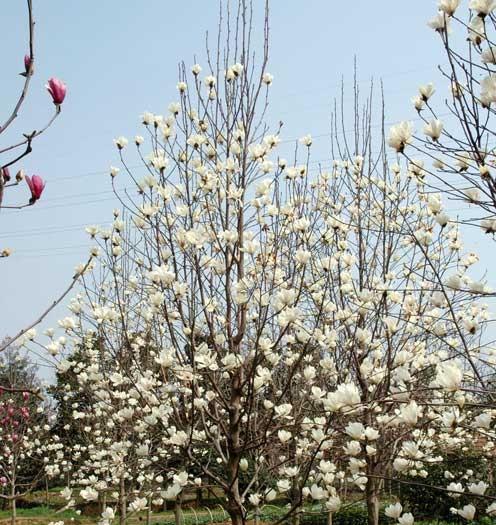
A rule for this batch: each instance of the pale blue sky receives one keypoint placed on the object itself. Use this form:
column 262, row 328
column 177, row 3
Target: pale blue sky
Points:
column 120, row 58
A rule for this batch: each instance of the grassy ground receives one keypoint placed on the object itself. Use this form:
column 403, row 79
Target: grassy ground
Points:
column 34, row 511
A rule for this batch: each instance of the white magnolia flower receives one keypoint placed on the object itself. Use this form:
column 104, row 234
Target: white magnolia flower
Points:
column 439, row 23
column 306, row 140
column 254, row 499
column 418, row 103
column 472, row 194
column 467, row 512
column 491, row 510
column 355, row 430
column 483, row 7
column 182, row 87
column 108, row 514
column 488, row 56
column 455, row 489
column 400, row 135
column 267, row 79
column 317, row 493
column 406, row 519
column 333, row 504
column 426, row 91
column 448, row 6
column 283, row 485
column 488, row 90
column 171, row 492
column 284, row 436
column 271, row 495
column 138, row 505
column 434, row 129
column 410, row 413
column 121, row 142
column 478, row 488
column 393, row 511
column 89, row 494
column 449, row 376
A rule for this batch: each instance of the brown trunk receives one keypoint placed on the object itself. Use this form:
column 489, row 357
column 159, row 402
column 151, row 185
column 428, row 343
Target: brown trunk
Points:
column 236, row 516
column 13, row 506
column 329, row 518
column 122, row 502
column 47, row 494
column 149, row 512
column 295, row 518
column 372, row 502
column 178, row 511
column 234, row 505
column 13, row 513
column 199, row 497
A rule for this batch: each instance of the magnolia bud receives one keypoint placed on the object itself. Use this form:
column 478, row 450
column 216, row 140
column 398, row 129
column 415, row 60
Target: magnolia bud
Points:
column 57, row 90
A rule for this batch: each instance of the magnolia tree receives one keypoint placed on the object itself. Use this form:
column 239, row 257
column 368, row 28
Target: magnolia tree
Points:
column 460, row 150
column 11, row 155
column 28, row 449
column 14, row 153
column 268, row 331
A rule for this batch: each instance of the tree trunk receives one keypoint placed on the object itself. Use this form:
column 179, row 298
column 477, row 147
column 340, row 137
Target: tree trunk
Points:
column 13, row 513
column 329, row 518
column 122, row 502
column 47, row 494
column 149, row 512
column 234, row 505
column 13, row 506
column 178, row 511
column 236, row 516
column 295, row 518
column 372, row 502
column 199, row 497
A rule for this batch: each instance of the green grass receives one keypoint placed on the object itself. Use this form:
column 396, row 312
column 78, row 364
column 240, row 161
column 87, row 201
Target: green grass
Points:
column 355, row 515
column 36, row 512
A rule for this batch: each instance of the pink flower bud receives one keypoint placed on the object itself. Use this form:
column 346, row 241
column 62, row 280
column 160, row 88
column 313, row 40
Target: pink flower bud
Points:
column 57, row 89
column 27, row 63
column 25, row 396
column 36, row 185
column 3, row 480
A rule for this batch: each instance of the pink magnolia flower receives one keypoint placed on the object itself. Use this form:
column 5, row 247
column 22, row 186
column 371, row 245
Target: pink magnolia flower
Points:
column 36, row 185
column 57, row 89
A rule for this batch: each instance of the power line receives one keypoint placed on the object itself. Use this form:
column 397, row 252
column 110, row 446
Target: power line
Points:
column 286, row 141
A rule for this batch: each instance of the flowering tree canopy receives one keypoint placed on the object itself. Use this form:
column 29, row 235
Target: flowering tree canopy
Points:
column 248, row 325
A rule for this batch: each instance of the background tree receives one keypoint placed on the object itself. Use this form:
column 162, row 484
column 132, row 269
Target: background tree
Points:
column 28, row 449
